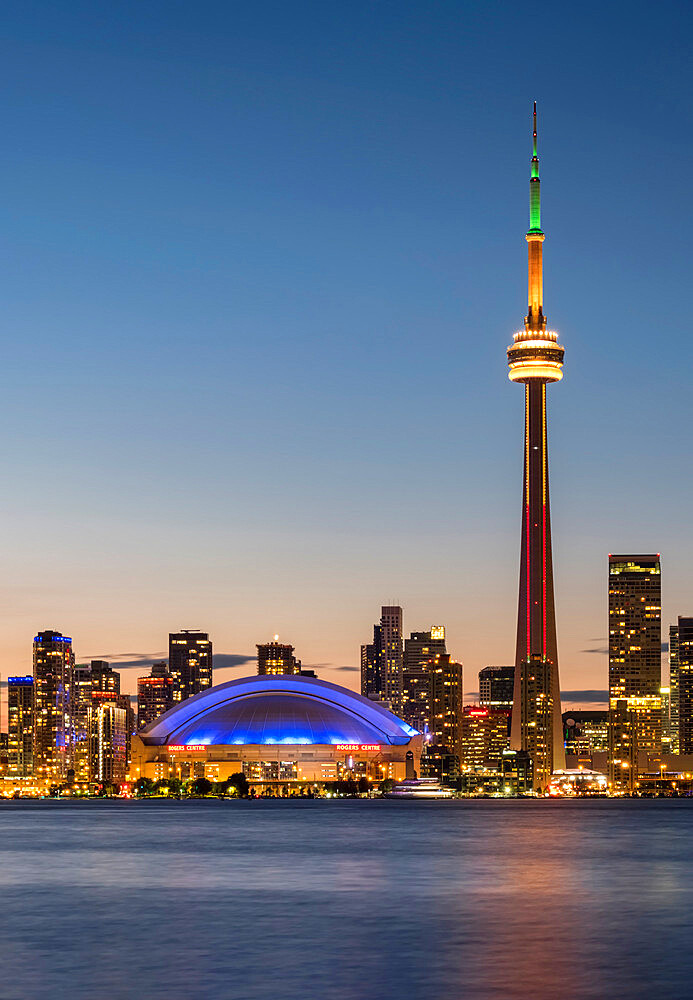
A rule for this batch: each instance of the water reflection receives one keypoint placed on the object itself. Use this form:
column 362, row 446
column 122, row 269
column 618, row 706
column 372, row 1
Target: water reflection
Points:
column 346, row 900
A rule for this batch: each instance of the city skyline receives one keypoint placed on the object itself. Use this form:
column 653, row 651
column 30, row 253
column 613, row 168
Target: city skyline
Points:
column 295, row 646
column 352, row 267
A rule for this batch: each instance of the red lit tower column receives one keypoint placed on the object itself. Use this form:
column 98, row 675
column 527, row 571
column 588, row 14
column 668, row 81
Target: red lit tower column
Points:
column 535, row 358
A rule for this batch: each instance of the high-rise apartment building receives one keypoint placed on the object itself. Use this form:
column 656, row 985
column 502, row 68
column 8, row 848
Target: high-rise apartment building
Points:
column 535, row 358
column 421, row 647
column 372, row 666
column 635, row 672
column 496, row 687
column 93, row 683
column 277, row 658
column 382, row 661
column 110, row 739
column 393, row 655
column 102, row 723
column 189, row 662
column 111, row 722
column 104, row 678
column 484, row 736
column 154, row 694
column 53, row 705
column 447, row 698
column 674, row 686
column 20, row 726
column 667, row 730
column 419, row 650
column 81, row 715
column 685, row 684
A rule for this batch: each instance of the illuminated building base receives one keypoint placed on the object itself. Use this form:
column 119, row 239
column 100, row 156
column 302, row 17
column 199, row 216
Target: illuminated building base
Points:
column 267, row 766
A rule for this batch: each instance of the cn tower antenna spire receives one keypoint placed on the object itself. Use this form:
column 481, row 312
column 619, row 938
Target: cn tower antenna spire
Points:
column 534, row 197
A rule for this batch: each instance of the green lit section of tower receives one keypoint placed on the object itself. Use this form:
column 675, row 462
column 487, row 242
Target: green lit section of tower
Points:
column 535, row 358
column 534, row 185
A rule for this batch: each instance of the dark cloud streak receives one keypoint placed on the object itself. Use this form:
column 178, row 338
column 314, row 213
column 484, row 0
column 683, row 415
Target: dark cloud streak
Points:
column 232, row 660
column 591, row 697
column 141, row 661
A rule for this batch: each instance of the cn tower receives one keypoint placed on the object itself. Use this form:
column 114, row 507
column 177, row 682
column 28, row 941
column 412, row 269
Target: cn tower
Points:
column 535, row 358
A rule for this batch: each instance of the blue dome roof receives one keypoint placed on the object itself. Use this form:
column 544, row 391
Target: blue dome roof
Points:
column 274, row 710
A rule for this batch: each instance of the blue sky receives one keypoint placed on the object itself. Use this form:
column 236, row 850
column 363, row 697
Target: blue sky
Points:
column 259, row 267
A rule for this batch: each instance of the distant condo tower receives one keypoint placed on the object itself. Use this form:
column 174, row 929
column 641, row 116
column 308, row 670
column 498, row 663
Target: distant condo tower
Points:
column 536, row 358
column 189, row 663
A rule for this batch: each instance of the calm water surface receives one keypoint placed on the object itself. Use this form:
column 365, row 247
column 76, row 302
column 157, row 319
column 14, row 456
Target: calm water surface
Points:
column 346, row 900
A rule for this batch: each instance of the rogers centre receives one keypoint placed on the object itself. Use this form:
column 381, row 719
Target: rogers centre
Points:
column 283, row 730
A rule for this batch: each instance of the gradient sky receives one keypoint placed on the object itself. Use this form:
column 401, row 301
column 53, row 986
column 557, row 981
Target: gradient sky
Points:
column 260, row 266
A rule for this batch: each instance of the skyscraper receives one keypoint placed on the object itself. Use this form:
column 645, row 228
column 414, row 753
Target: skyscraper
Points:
column 190, row 662
column 496, row 687
column 20, row 726
column 393, row 655
column 92, row 683
column 685, row 684
column 484, row 736
column 447, row 698
column 154, row 694
column 111, row 721
column 535, row 358
column 419, row 649
column 635, row 662
column 372, row 666
column 81, row 713
column 53, row 705
column 277, row 658
column 110, row 739
column 674, row 686
column 667, row 731
column 382, row 661
column 104, row 678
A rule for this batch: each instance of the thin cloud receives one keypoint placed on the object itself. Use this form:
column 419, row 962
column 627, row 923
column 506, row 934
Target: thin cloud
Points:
column 327, row 666
column 592, row 696
column 225, row 660
column 138, row 661
column 129, row 660
column 603, row 650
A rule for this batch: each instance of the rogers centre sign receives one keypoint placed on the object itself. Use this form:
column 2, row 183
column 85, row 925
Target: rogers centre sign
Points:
column 196, row 747
column 357, row 746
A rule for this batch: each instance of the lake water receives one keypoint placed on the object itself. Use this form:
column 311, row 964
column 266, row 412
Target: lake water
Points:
column 346, row 900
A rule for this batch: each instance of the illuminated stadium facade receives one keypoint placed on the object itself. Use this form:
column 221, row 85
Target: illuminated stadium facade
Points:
column 278, row 730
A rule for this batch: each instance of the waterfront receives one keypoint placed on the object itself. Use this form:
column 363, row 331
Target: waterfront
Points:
column 346, row 900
